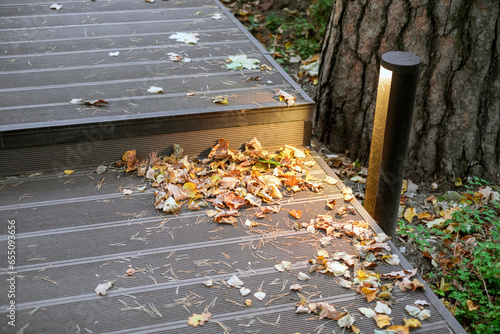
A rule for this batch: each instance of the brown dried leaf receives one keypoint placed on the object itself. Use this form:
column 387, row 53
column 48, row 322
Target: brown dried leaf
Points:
column 129, row 157
column 220, row 151
column 96, row 103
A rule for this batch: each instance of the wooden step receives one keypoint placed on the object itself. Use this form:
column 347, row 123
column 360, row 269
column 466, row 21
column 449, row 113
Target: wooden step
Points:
column 52, row 57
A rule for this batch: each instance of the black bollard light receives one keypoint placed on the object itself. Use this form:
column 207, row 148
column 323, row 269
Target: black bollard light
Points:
column 396, row 92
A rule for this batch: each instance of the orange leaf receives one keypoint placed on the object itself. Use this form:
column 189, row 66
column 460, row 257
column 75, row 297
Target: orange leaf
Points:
column 129, row 157
column 369, row 293
column 220, row 151
column 296, row 214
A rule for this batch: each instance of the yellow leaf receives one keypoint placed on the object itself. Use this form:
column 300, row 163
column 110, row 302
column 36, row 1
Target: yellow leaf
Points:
column 355, row 329
column 369, row 293
column 405, row 187
column 199, row 319
column 382, row 320
column 412, row 323
column 191, row 189
column 471, row 305
column 220, row 100
column 458, row 182
column 398, row 329
column 409, row 214
column 69, row 171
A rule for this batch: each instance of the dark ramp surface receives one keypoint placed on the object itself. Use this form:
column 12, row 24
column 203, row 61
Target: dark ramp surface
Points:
column 76, row 231
column 51, row 57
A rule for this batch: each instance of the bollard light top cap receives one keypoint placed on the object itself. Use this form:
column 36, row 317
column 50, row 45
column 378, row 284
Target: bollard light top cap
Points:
column 400, row 62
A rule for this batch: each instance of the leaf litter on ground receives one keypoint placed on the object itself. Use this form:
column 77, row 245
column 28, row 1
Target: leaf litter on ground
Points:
column 229, row 180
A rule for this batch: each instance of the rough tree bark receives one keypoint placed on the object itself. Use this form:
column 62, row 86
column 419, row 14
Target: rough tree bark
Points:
column 456, row 123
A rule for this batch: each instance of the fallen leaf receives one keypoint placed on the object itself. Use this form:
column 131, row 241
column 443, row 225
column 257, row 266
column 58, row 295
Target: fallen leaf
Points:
column 171, row 206
column 413, row 310
column 295, row 287
column 220, row 100
column 398, row 329
column 126, row 191
column 216, row 16
column 130, row 271
column 172, row 56
column 69, row 171
column 102, row 289
column 130, row 159
column 56, row 6
column 413, row 323
column 330, row 180
column 188, row 38
column 283, row 266
column 242, row 61
column 199, row 319
column 96, row 103
column 424, row 314
column 296, row 214
column 209, row 283
column 347, row 193
column 409, row 214
column 114, row 54
column 382, row 308
column 235, row 282
column 302, row 277
column 155, row 90
column 219, row 151
column 259, row 295
column 346, row 321
column 284, row 96
column 382, row 320
column 244, row 291
column 367, row 312
column 326, row 310
column 331, row 203
column 421, row 302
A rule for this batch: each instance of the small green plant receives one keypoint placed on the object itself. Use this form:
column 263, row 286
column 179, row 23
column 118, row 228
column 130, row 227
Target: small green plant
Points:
column 466, row 258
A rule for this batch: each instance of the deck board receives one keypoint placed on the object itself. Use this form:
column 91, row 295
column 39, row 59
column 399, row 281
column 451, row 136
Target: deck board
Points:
column 72, row 236
column 52, row 57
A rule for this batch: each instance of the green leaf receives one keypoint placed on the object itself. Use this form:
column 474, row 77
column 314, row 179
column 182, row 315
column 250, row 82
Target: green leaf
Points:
column 241, row 61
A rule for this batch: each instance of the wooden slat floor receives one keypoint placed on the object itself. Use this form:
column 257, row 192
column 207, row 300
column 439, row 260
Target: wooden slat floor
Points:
column 51, row 57
column 72, row 235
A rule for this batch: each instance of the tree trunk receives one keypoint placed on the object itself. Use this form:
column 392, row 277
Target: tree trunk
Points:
column 456, row 122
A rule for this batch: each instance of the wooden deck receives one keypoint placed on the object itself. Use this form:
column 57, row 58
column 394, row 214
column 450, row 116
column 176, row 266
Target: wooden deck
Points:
column 52, row 57
column 76, row 231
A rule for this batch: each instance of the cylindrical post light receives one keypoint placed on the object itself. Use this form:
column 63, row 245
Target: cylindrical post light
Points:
column 396, row 92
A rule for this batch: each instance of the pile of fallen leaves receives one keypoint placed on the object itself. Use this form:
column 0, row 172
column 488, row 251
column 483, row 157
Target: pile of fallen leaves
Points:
column 229, row 180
